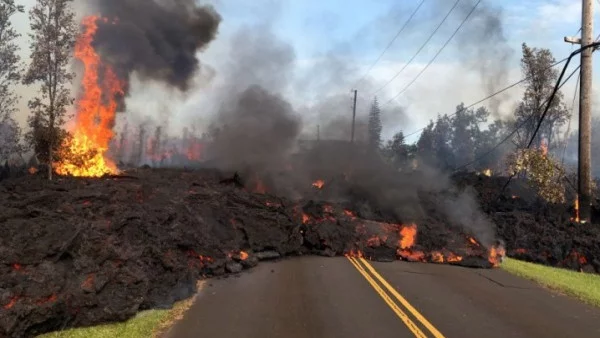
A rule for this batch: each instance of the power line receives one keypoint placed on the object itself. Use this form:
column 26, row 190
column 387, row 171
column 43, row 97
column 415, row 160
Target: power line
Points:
column 436, row 54
column 492, row 95
column 509, row 136
column 562, row 161
column 420, row 49
column 390, row 44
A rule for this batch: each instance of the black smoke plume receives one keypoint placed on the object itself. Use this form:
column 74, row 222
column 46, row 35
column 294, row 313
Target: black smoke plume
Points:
column 157, row 39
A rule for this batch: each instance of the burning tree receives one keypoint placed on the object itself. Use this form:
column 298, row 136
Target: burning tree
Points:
column 53, row 33
column 9, row 77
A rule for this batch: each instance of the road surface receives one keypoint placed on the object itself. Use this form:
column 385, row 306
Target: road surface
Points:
column 340, row 297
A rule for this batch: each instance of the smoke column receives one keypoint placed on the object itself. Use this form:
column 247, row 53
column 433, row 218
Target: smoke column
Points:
column 157, row 39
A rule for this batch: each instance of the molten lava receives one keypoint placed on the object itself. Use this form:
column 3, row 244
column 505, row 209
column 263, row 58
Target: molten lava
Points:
column 318, row 184
column 85, row 153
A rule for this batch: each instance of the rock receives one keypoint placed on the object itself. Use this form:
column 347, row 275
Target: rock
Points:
column 233, row 267
column 249, row 262
column 267, row 255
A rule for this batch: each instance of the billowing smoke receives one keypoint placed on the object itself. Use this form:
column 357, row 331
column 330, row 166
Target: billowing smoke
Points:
column 156, row 39
column 256, row 131
column 484, row 47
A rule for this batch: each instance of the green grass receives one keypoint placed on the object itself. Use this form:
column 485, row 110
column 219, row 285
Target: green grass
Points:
column 145, row 324
column 584, row 286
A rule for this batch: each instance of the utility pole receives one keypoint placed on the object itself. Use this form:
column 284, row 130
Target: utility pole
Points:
column 353, row 116
column 585, row 111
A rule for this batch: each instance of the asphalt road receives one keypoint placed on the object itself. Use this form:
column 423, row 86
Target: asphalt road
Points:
column 339, row 297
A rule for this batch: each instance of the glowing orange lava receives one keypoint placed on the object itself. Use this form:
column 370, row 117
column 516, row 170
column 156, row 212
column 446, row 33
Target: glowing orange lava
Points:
column 318, row 184
column 408, row 234
column 85, row 153
column 496, row 255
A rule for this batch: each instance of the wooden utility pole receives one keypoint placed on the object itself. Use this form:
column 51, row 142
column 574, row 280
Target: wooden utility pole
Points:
column 353, row 116
column 585, row 111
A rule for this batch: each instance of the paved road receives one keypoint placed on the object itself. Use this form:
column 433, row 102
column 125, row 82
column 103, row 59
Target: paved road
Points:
column 339, row 297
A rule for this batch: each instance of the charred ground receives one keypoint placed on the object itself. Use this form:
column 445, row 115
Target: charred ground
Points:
column 79, row 252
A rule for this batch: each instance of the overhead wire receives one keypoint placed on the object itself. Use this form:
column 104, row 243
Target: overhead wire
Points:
column 491, row 95
column 436, row 54
column 509, row 136
column 419, row 50
column 390, row 43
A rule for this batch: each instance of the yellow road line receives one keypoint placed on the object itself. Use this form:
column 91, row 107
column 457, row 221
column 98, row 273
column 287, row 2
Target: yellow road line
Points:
column 403, row 301
column 390, row 302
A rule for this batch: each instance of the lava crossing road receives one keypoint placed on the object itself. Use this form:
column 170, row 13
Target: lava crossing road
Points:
column 341, row 297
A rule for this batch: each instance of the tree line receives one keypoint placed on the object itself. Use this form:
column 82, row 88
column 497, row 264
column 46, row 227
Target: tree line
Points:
column 471, row 138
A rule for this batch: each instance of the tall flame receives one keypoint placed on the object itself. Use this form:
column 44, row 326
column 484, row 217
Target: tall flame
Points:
column 85, row 153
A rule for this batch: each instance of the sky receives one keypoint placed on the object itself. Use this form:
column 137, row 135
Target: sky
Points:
column 355, row 32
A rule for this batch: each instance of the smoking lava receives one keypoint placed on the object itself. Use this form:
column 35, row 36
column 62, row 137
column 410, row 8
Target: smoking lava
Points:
column 84, row 154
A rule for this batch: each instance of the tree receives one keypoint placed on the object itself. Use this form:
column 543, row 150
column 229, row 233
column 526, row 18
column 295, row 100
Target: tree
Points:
column 540, row 80
column 53, row 37
column 397, row 151
column 442, row 136
column 375, row 125
column 10, row 76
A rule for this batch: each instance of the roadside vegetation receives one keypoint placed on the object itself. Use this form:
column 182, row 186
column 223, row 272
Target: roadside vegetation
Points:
column 150, row 323
column 584, row 286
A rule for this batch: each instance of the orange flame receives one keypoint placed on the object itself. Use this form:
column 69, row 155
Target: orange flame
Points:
column 32, row 170
column 495, row 255
column 408, row 234
column 85, row 153
column 437, row 257
column 355, row 253
column 318, row 184
column 243, row 255
column 577, row 208
column 473, row 241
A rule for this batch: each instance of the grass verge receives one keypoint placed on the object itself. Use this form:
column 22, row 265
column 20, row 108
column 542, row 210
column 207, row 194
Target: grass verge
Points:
column 151, row 323
column 584, row 286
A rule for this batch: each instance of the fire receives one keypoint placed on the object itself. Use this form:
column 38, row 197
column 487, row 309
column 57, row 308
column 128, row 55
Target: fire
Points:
column 318, row 184
column 85, row 153
column 495, row 255
column 437, row 257
column 350, row 214
column 11, row 303
column 408, row 234
column 32, row 170
column 487, row 172
column 473, row 241
column 413, row 256
column 355, row 253
column 305, row 218
column 544, row 147
column 453, row 258
column 243, row 255
column 260, row 188
column 576, row 218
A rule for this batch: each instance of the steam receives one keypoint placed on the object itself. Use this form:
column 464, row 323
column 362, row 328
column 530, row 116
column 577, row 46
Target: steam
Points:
column 157, row 39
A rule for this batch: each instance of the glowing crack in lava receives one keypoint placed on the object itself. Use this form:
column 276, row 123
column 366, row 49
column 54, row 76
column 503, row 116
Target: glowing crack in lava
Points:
column 85, row 153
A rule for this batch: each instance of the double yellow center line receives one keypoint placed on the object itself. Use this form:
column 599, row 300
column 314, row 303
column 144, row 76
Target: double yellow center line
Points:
column 360, row 264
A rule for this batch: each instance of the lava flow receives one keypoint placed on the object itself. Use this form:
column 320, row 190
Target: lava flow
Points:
column 85, row 153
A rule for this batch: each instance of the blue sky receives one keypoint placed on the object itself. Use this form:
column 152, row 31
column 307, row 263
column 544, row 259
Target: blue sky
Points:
column 356, row 31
